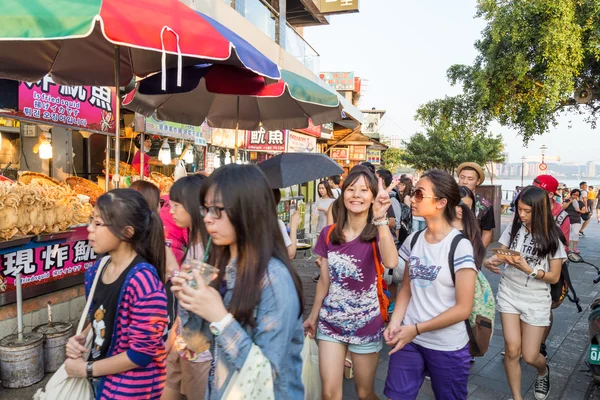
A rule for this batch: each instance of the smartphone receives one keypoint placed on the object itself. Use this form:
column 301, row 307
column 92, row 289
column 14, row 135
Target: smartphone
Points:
column 506, row 252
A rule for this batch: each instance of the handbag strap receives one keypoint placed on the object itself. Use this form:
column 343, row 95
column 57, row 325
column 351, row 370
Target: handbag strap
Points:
column 88, row 304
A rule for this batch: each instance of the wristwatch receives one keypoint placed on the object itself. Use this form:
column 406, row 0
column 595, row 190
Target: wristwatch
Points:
column 88, row 370
column 533, row 273
column 217, row 327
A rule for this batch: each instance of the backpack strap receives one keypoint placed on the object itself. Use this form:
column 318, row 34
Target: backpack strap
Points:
column 379, row 269
column 331, row 228
column 414, row 239
column 472, row 341
column 567, row 277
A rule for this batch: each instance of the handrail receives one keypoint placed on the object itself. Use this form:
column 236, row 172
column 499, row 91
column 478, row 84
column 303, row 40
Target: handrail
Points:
column 301, row 37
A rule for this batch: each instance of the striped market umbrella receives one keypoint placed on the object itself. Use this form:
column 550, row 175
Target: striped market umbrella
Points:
column 228, row 98
column 108, row 42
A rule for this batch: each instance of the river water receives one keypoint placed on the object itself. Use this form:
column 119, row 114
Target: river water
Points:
column 510, row 184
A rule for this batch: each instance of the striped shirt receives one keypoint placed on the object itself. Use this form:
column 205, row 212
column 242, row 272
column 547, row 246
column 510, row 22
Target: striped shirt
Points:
column 141, row 319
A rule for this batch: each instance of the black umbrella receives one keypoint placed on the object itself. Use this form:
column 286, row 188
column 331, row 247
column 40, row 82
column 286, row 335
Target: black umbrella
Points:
column 289, row 169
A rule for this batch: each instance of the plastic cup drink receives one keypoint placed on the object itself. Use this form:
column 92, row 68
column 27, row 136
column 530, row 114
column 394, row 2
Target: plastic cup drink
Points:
column 206, row 271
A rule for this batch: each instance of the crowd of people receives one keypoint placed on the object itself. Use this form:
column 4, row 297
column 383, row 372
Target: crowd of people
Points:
column 399, row 262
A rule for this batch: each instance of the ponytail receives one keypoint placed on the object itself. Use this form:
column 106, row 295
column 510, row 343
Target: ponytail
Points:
column 473, row 233
column 152, row 249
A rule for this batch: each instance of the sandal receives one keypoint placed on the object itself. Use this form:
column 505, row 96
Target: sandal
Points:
column 348, row 370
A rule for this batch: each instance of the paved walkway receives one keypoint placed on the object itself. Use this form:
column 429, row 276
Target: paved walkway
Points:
column 567, row 344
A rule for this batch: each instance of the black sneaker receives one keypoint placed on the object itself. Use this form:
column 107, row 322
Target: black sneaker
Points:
column 543, row 350
column 581, row 234
column 542, row 385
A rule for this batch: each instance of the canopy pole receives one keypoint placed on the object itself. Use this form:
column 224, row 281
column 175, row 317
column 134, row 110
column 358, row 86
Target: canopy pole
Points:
column 106, row 171
column 237, row 125
column 117, row 111
column 142, row 153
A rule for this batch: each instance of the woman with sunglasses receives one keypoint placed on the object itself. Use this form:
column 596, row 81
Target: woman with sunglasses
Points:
column 427, row 329
column 524, row 299
column 256, row 299
column 347, row 313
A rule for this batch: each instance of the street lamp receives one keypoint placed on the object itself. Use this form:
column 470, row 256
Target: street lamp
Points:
column 522, row 169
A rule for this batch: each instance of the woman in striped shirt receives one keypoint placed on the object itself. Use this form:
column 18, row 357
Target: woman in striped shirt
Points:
column 129, row 308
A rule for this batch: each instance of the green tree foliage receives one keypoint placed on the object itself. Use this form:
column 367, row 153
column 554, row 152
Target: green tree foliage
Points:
column 391, row 159
column 454, row 134
column 533, row 55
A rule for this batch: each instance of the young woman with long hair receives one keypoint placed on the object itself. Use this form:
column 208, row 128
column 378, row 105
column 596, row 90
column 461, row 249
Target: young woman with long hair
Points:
column 347, row 313
column 405, row 189
column 323, row 203
column 187, row 364
column 256, row 299
column 524, row 299
column 468, row 225
column 129, row 306
column 427, row 329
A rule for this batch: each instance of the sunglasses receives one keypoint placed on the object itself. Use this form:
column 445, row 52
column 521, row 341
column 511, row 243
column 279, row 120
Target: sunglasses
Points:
column 419, row 196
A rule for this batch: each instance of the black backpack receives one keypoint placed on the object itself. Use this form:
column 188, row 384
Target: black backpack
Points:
column 560, row 289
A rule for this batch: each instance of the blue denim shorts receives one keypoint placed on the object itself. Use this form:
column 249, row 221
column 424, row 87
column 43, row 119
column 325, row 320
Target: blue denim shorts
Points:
column 366, row 348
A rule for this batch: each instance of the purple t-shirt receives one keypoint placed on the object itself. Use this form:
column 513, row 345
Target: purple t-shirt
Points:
column 350, row 312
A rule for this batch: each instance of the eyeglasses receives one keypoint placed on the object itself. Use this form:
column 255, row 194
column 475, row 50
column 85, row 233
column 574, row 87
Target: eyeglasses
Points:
column 418, row 195
column 95, row 224
column 214, row 211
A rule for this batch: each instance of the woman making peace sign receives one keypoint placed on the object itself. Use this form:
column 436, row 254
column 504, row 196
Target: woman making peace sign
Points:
column 349, row 306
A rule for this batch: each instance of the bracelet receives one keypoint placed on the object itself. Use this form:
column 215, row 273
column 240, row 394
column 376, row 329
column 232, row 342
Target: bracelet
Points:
column 88, row 370
column 543, row 276
column 380, row 222
column 417, row 328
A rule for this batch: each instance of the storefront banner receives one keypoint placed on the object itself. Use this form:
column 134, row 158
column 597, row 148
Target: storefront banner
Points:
column 38, row 265
column 89, row 108
column 263, row 140
column 312, row 130
column 299, row 143
column 328, row 7
column 343, row 81
column 357, row 153
column 210, row 162
column 226, row 138
column 374, row 156
column 154, row 126
column 339, row 153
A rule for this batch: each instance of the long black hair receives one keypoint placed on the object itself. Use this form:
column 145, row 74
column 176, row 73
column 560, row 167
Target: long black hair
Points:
column 250, row 206
column 327, row 187
column 123, row 208
column 466, row 192
column 546, row 234
column 445, row 187
column 408, row 188
column 369, row 233
column 186, row 191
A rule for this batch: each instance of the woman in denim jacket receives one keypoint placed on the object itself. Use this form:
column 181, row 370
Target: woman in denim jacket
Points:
column 256, row 298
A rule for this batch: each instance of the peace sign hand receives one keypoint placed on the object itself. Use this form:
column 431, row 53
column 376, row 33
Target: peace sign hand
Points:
column 383, row 201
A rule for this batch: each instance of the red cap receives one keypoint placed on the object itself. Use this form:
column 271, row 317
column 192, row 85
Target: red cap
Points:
column 546, row 182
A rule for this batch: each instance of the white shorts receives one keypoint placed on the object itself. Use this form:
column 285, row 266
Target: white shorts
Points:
column 574, row 235
column 533, row 307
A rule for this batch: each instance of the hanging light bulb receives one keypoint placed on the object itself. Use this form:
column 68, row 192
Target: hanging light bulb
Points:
column 227, row 157
column 178, row 148
column 43, row 146
column 217, row 160
column 165, row 152
column 189, row 155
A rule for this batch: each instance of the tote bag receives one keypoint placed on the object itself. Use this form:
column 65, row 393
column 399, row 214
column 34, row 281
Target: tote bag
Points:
column 61, row 386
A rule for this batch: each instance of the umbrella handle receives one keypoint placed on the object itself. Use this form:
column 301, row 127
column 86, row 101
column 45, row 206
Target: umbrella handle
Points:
column 164, row 58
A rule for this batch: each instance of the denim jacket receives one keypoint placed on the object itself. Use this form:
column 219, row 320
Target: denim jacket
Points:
column 278, row 333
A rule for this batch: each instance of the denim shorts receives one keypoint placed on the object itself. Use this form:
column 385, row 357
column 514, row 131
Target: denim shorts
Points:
column 366, row 348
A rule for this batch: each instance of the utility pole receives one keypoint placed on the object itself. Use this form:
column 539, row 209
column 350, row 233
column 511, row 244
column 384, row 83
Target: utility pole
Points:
column 522, row 169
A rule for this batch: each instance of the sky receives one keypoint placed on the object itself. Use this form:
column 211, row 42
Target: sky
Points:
column 402, row 50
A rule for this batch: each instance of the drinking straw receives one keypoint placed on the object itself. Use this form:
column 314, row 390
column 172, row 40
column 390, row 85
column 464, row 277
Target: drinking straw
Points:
column 206, row 251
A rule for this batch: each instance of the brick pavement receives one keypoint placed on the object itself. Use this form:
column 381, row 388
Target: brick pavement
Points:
column 567, row 344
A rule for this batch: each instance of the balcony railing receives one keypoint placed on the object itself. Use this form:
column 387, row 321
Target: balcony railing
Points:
column 266, row 18
column 301, row 50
